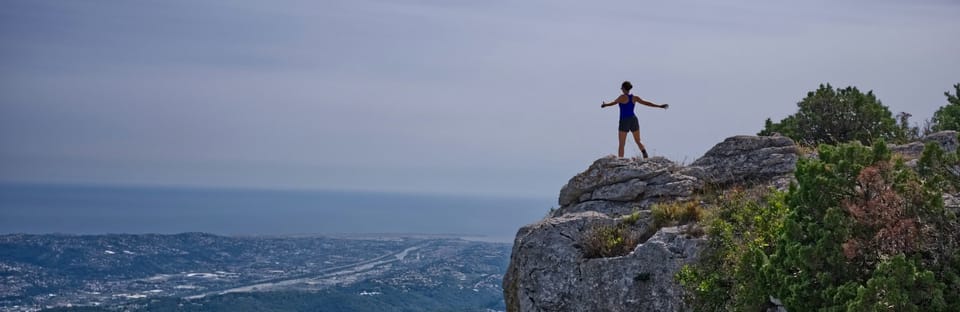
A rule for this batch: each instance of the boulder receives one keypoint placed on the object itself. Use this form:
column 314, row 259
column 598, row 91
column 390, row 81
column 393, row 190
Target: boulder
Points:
column 612, row 170
column 946, row 139
column 747, row 159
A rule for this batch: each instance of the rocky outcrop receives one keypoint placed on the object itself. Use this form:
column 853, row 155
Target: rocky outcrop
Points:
column 745, row 158
column 552, row 276
column 946, row 139
column 548, row 270
column 616, row 186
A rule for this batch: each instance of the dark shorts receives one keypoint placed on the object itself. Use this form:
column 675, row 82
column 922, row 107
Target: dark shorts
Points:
column 629, row 124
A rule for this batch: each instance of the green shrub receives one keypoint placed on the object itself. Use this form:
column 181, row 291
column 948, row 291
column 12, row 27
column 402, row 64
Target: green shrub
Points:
column 632, row 218
column 604, row 241
column 620, row 239
column 858, row 231
column 740, row 235
column 833, row 116
column 947, row 117
column 939, row 168
column 899, row 285
column 854, row 210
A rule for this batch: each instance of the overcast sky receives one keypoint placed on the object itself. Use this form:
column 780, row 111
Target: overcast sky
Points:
column 429, row 96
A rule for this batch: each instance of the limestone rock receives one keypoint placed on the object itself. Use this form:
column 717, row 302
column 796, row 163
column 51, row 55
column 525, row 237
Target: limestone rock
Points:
column 952, row 202
column 609, row 208
column 746, row 159
column 611, row 170
column 946, row 139
column 912, row 150
column 553, row 277
column 624, row 191
column 544, row 263
column 673, row 186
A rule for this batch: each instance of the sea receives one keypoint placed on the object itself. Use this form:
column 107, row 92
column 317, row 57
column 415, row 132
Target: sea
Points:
column 86, row 209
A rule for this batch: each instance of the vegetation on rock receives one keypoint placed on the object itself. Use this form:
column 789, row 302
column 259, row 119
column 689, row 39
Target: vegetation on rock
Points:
column 676, row 213
column 620, row 239
column 741, row 232
column 858, row 231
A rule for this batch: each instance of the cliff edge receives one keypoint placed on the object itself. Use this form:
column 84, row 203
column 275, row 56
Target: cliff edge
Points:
column 550, row 270
column 555, row 266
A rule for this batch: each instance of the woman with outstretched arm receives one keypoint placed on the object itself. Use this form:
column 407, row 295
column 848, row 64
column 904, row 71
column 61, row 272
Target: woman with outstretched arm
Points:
column 628, row 120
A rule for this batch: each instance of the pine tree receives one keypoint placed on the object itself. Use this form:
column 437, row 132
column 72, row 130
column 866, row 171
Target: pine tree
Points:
column 833, row 116
column 948, row 116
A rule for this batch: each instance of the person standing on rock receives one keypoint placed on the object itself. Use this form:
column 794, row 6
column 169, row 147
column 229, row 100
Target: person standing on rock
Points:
column 628, row 120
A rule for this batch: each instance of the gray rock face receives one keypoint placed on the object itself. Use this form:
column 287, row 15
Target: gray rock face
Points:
column 952, row 202
column 624, row 191
column 946, row 139
column 549, row 273
column 548, row 270
column 547, row 260
column 648, row 273
column 611, row 170
column 746, row 159
column 609, row 208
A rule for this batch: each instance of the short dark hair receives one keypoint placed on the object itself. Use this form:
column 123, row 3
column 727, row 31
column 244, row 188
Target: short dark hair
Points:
column 626, row 86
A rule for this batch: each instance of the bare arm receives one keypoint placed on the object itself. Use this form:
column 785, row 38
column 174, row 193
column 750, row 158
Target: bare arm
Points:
column 620, row 99
column 651, row 104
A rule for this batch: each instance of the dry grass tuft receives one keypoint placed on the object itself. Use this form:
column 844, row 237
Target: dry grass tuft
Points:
column 677, row 213
column 610, row 241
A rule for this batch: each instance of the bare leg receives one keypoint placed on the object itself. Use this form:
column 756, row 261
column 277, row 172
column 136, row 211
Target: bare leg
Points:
column 636, row 138
column 623, row 140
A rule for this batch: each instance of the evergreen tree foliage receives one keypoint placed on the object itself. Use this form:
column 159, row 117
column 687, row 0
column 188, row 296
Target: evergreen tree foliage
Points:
column 906, row 133
column 948, row 116
column 896, row 285
column 861, row 222
column 858, row 231
column 833, row 116
column 940, row 168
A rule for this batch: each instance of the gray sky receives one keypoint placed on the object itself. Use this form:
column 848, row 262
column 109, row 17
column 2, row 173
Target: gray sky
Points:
column 478, row 97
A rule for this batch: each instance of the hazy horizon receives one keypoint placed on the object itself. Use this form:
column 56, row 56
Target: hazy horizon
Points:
column 92, row 210
column 494, row 98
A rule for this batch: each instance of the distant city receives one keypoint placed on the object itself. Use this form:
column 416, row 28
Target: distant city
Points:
column 245, row 249
column 197, row 271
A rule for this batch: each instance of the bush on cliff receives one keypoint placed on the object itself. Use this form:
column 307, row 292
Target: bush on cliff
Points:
column 833, row 116
column 859, row 231
column 603, row 241
column 741, row 233
column 948, row 116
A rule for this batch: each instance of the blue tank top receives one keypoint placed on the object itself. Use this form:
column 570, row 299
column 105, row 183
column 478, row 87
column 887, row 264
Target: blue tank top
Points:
column 626, row 109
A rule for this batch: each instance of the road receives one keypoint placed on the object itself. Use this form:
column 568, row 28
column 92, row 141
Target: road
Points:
column 338, row 272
